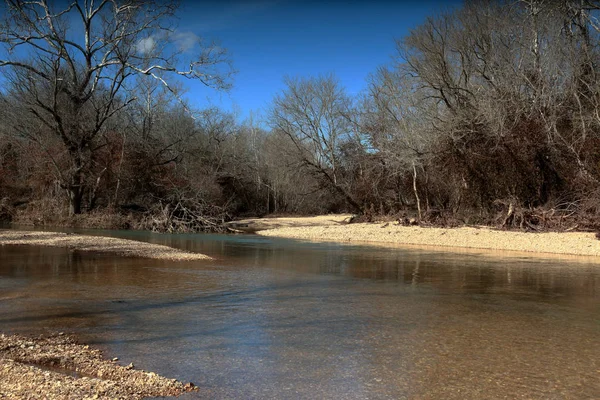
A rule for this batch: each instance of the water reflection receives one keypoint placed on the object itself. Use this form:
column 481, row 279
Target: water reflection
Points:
column 284, row 319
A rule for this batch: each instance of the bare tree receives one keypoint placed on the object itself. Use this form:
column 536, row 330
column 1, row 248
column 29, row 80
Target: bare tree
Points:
column 397, row 118
column 70, row 68
column 315, row 114
column 512, row 94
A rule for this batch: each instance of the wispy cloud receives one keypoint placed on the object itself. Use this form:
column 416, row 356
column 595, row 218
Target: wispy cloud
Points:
column 146, row 45
column 185, row 41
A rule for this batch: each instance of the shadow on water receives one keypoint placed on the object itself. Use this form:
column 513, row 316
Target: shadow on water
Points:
column 277, row 318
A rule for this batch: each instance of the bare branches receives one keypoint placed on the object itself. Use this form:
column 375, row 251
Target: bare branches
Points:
column 73, row 64
column 115, row 40
column 313, row 114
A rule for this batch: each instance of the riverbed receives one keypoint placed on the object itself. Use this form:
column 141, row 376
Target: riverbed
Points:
column 277, row 318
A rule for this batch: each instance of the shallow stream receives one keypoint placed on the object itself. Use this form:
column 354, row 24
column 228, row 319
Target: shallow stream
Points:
column 276, row 318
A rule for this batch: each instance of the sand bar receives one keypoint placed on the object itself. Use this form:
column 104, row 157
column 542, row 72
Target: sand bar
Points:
column 121, row 247
column 567, row 243
column 259, row 224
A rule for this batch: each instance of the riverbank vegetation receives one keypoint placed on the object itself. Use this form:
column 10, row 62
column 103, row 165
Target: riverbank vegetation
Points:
column 488, row 114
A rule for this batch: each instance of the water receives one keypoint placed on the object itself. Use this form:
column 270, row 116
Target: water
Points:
column 274, row 318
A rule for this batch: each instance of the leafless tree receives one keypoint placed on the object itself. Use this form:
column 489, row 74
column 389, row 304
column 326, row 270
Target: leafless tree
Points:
column 514, row 86
column 315, row 114
column 397, row 118
column 72, row 68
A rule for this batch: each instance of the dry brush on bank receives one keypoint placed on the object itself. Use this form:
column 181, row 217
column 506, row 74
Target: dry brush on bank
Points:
column 483, row 106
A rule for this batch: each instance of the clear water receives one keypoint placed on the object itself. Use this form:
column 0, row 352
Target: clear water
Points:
column 274, row 318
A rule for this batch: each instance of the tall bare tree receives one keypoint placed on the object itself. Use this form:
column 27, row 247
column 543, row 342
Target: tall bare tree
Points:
column 397, row 120
column 315, row 114
column 70, row 68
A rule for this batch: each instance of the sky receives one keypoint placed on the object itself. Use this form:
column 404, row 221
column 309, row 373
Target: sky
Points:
column 268, row 40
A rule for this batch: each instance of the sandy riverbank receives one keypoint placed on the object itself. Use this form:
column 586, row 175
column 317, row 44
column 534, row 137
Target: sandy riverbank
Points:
column 56, row 367
column 121, row 247
column 260, row 224
column 567, row 243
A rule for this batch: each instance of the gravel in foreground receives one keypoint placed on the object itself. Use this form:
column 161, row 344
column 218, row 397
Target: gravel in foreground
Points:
column 56, row 367
column 121, row 247
column 568, row 243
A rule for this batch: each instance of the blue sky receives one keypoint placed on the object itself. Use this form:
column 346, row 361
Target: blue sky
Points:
column 271, row 39
column 268, row 40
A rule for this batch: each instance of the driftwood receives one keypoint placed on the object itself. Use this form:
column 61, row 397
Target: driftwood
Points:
column 563, row 218
column 7, row 211
column 185, row 218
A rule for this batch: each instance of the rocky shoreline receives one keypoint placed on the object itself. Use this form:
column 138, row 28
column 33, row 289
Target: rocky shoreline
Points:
column 57, row 367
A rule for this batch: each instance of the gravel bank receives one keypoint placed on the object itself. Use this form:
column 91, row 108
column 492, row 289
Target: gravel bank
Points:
column 56, row 367
column 121, row 247
column 571, row 243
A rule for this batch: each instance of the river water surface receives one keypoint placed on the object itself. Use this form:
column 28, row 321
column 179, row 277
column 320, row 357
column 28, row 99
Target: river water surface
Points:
column 275, row 318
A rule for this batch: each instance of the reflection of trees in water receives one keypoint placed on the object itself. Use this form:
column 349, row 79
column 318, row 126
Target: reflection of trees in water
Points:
column 458, row 272
column 443, row 271
column 63, row 267
column 462, row 273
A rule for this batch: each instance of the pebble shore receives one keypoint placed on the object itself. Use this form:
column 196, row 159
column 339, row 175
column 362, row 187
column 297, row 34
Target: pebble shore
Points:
column 57, row 367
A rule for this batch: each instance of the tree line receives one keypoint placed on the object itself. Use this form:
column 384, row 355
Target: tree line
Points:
column 488, row 114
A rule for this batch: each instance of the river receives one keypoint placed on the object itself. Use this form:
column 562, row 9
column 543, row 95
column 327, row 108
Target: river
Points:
column 275, row 318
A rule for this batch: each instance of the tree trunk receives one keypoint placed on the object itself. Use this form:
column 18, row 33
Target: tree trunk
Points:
column 93, row 194
column 355, row 206
column 76, row 187
column 75, row 200
column 416, row 191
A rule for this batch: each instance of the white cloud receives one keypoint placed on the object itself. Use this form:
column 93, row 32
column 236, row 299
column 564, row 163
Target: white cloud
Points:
column 146, row 45
column 185, row 41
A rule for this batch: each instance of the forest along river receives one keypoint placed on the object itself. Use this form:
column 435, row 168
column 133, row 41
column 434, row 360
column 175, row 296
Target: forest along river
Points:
column 275, row 318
